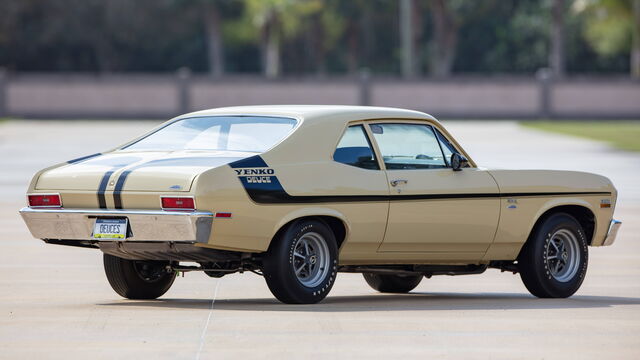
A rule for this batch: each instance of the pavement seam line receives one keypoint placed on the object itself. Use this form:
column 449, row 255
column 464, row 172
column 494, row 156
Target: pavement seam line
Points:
column 206, row 325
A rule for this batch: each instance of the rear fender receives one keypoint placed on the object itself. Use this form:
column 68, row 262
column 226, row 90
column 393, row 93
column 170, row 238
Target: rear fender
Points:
column 310, row 212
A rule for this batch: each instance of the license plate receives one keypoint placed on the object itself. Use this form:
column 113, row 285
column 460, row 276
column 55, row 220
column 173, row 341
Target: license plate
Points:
column 110, row 229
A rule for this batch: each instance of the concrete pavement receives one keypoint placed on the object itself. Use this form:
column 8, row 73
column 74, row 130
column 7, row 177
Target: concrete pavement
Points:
column 55, row 301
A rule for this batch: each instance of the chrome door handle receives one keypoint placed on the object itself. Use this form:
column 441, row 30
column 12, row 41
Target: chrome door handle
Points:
column 395, row 183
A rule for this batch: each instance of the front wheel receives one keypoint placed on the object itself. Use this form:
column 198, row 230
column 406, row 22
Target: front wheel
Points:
column 553, row 262
column 300, row 266
column 389, row 283
column 137, row 279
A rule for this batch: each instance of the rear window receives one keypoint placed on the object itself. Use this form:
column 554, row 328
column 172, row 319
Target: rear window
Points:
column 233, row 133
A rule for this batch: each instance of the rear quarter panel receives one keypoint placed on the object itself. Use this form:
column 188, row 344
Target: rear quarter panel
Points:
column 253, row 225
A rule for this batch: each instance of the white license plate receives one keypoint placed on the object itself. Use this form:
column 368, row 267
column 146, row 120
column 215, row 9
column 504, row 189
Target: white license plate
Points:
column 110, row 229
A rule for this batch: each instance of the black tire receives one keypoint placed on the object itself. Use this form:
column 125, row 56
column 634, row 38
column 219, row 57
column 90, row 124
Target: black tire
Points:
column 398, row 284
column 539, row 273
column 283, row 255
column 134, row 279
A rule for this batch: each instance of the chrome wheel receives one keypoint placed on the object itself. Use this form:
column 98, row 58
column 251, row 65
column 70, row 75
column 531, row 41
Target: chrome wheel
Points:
column 311, row 260
column 562, row 255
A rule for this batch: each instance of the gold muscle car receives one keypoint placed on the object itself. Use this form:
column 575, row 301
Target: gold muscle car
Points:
column 300, row 193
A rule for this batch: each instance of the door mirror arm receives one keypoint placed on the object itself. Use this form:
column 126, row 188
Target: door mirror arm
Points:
column 458, row 162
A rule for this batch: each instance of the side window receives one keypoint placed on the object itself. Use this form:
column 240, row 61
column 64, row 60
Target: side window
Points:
column 354, row 149
column 447, row 147
column 408, row 146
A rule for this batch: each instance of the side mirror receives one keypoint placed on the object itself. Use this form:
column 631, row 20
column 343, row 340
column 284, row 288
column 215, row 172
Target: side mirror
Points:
column 458, row 162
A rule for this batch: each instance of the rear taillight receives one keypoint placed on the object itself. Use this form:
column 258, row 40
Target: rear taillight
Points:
column 178, row 203
column 44, row 200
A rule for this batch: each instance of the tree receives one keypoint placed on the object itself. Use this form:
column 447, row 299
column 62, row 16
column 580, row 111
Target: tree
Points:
column 319, row 36
column 352, row 12
column 447, row 17
column 613, row 27
column 324, row 29
column 215, row 46
column 278, row 20
column 445, row 37
column 635, row 48
column 556, row 55
column 407, row 42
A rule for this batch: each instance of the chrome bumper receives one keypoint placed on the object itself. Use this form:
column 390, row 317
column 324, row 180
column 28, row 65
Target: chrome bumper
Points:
column 145, row 225
column 612, row 233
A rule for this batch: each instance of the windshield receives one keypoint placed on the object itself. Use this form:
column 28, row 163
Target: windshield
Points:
column 233, row 133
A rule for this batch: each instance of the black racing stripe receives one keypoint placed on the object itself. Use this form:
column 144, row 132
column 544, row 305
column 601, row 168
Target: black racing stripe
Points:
column 568, row 193
column 117, row 197
column 83, row 158
column 102, row 201
column 274, row 194
column 255, row 161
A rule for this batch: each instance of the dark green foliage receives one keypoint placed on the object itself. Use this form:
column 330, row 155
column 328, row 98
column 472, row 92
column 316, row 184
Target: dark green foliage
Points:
column 330, row 37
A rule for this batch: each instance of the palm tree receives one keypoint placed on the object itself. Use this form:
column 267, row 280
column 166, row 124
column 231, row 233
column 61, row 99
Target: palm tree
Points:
column 557, row 53
column 213, row 34
column 612, row 27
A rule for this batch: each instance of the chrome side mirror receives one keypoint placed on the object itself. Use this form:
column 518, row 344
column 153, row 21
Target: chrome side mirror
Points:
column 458, row 162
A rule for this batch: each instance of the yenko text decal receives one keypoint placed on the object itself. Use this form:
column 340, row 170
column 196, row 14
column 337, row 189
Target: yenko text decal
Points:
column 256, row 176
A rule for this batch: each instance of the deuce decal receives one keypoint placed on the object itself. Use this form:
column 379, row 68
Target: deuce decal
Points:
column 259, row 179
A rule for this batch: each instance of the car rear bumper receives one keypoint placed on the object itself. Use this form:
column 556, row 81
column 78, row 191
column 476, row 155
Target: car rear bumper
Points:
column 145, row 225
column 612, row 232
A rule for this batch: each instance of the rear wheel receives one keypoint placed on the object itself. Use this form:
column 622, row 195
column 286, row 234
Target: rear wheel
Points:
column 300, row 266
column 392, row 283
column 553, row 262
column 136, row 279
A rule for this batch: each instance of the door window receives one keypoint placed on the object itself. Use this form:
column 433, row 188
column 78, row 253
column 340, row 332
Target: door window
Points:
column 408, row 146
column 354, row 149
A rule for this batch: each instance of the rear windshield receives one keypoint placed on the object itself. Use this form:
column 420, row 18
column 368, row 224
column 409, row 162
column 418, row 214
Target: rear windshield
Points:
column 234, row 133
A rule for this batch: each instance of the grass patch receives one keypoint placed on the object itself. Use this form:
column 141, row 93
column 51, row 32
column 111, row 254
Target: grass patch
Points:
column 623, row 135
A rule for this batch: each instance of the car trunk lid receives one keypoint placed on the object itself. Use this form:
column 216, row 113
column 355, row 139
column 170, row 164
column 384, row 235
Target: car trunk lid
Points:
column 135, row 171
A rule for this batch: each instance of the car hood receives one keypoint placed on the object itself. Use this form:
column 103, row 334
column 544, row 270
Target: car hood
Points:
column 135, row 171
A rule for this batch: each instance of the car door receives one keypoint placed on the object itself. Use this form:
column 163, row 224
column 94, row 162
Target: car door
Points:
column 433, row 209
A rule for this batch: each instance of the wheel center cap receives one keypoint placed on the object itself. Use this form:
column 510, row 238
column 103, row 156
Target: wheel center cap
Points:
column 312, row 259
column 565, row 256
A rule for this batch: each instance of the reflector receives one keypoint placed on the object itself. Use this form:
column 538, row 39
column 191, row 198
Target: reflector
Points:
column 48, row 200
column 178, row 203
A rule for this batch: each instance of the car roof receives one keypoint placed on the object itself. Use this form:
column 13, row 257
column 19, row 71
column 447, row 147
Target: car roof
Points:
column 339, row 113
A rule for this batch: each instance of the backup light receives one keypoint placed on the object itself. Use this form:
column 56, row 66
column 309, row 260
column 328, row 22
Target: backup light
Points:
column 44, row 200
column 178, row 203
